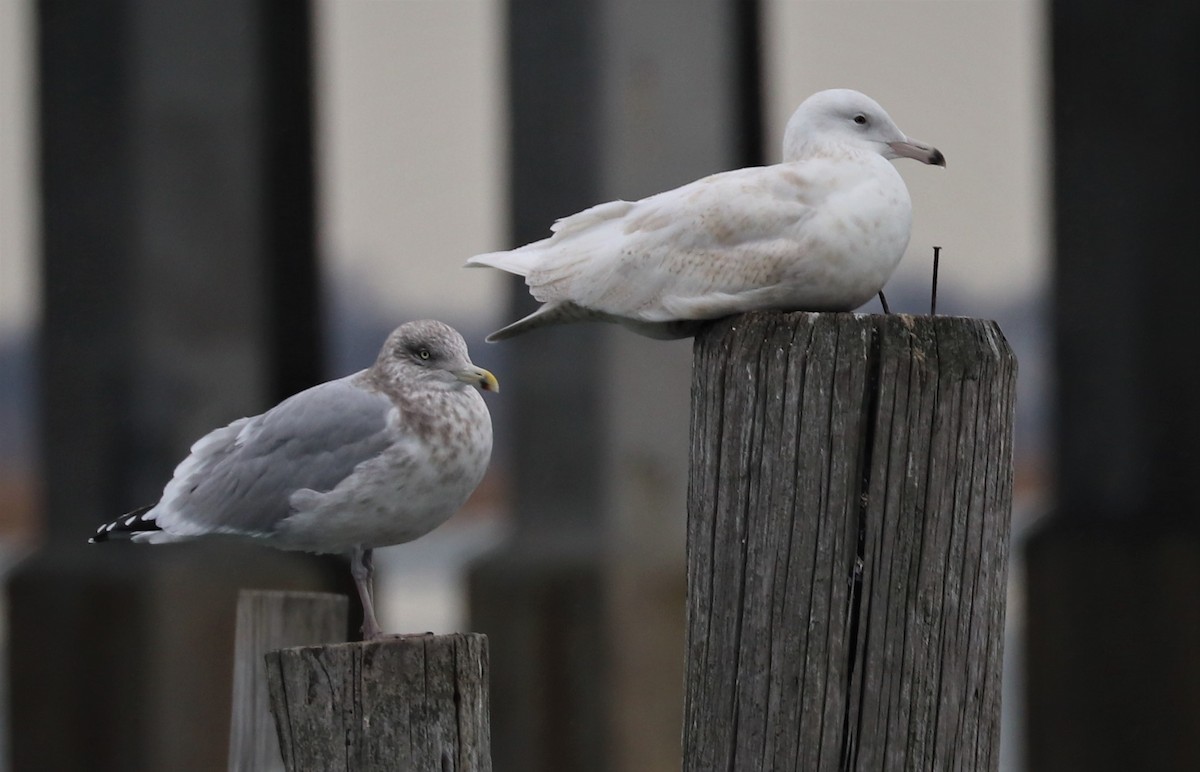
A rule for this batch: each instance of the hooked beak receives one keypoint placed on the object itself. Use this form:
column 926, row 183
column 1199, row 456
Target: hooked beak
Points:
column 926, row 154
column 479, row 378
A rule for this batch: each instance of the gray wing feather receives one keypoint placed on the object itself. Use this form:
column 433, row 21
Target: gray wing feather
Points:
column 239, row 479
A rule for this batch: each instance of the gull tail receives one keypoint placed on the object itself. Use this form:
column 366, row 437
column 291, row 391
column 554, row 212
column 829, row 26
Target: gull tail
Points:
column 127, row 526
column 518, row 261
column 561, row 312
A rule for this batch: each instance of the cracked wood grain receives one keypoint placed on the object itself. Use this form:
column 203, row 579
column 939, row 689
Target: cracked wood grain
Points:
column 417, row 703
column 848, row 520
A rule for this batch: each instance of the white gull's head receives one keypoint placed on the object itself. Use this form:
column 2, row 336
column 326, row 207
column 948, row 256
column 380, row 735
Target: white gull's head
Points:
column 842, row 119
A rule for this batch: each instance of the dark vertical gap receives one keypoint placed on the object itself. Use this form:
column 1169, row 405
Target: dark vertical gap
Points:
column 555, row 68
column 292, row 276
column 712, row 514
column 782, row 586
column 749, row 498
column 354, row 752
column 86, row 239
column 283, row 723
column 748, row 96
column 969, row 506
column 933, row 729
column 553, row 81
column 458, row 643
column 983, row 396
column 812, row 582
column 907, row 501
column 849, row 750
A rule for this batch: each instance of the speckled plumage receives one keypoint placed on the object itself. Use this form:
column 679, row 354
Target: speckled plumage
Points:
column 376, row 458
column 823, row 230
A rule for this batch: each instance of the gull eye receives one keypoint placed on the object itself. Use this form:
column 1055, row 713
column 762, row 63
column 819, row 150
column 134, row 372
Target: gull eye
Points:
column 860, row 119
column 423, row 354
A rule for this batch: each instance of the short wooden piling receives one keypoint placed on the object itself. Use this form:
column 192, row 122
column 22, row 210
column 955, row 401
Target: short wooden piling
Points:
column 417, row 703
column 848, row 522
column 268, row 620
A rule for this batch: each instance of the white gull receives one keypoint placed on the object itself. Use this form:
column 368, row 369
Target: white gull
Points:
column 821, row 231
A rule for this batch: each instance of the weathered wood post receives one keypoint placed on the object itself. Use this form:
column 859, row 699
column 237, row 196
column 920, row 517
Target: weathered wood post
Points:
column 417, row 703
column 848, row 521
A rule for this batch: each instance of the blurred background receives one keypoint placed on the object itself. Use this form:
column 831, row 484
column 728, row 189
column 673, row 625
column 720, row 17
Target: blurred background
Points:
column 206, row 205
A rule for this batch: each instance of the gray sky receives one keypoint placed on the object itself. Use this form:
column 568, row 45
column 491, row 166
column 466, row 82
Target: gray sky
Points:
column 412, row 137
column 412, row 149
column 17, row 247
column 967, row 77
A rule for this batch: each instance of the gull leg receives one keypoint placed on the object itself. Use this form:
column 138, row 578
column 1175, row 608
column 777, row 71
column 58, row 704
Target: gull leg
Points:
column 361, row 568
column 883, row 302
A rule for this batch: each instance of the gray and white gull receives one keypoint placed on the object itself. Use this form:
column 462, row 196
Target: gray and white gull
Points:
column 379, row 457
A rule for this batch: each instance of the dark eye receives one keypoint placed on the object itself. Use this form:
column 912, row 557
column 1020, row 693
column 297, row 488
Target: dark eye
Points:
column 860, row 119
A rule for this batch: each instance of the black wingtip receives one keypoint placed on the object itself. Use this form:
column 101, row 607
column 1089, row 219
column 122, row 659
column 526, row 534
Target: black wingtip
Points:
column 125, row 526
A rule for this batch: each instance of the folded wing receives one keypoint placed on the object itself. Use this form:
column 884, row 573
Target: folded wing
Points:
column 651, row 259
column 238, row 479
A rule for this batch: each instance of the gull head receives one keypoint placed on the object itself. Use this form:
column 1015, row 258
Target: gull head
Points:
column 431, row 354
column 842, row 119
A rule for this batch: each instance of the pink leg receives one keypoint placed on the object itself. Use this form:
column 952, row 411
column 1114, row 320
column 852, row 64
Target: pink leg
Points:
column 361, row 569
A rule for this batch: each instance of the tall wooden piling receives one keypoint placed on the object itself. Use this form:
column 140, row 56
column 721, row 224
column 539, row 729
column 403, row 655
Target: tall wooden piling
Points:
column 848, row 522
